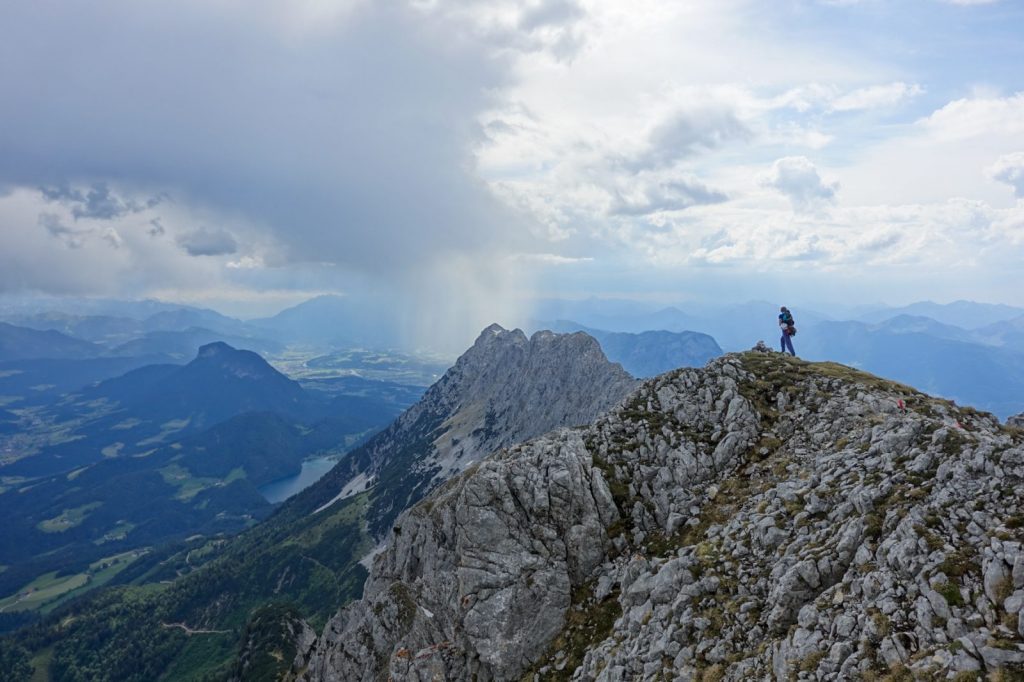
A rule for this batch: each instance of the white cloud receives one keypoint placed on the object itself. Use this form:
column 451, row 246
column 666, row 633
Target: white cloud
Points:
column 942, row 155
column 875, row 96
column 974, row 117
column 112, row 237
column 915, row 238
column 46, row 250
column 245, row 263
column 549, row 259
column 1009, row 169
column 797, row 178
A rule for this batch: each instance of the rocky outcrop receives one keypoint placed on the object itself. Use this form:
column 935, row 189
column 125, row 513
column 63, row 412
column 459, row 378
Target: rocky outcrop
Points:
column 505, row 389
column 760, row 517
column 1016, row 421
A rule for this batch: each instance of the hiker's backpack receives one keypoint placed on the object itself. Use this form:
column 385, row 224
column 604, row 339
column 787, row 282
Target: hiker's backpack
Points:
column 787, row 319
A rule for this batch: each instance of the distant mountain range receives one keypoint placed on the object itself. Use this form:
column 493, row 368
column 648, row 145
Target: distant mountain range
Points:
column 143, row 409
column 733, row 326
column 963, row 314
column 113, row 330
column 21, row 343
column 337, row 321
column 1006, row 333
column 979, row 362
column 161, row 453
column 182, row 344
column 329, row 326
column 649, row 353
column 934, row 359
column 31, row 383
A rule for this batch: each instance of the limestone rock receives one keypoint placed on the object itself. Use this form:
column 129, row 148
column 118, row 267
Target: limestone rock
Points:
column 760, row 516
column 505, row 389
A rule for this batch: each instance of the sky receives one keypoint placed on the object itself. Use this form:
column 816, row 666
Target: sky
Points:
column 462, row 158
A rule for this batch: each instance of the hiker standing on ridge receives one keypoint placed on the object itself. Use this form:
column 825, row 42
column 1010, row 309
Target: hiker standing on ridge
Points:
column 788, row 328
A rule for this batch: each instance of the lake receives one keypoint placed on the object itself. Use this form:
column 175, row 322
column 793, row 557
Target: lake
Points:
column 283, row 488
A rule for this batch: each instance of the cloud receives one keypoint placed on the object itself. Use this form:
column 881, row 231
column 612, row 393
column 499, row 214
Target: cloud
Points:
column 877, row 241
column 685, row 134
column 974, row 117
column 419, row 142
column 670, row 195
column 550, row 13
column 912, row 239
column 43, row 249
column 98, row 202
column 1009, row 169
column 208, row 242
column 72, row 238
column 797, row 178
column 876, row 96
column 549, row 258
column 546, row 27
column 112, row 237
column 349, row 139
column 246, row 263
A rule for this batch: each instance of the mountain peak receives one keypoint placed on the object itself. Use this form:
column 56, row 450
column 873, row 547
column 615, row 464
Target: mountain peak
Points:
column 216, row 349
column 504, row 389
column 493, row 329
column 495, row 333
column 240, row 364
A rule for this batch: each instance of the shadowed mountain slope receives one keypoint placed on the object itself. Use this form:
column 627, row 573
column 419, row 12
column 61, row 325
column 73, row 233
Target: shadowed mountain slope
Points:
column 22, row 343
column 987, row 377
column 148, row 407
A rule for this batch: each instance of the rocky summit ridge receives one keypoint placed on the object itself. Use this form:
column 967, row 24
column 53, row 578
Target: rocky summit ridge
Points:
column 505, row 389
column 759, row 518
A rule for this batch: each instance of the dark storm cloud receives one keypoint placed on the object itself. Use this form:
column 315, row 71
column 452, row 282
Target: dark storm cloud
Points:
column 350, row 142
column 208, row 242
column 98, row 202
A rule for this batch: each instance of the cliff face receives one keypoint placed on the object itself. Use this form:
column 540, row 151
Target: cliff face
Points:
column 505, row 389
column 761, row 516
